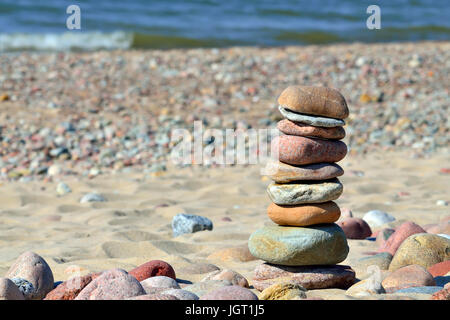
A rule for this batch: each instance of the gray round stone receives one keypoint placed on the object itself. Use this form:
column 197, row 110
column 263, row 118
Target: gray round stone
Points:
column 307, row 192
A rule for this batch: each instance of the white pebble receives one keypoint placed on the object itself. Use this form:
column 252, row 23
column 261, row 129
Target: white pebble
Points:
column 92, row 197
column 54, row 170
column 63, row 188
column 376, row 218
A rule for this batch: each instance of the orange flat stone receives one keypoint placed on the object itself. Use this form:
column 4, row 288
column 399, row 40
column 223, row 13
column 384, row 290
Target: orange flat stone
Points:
column 304, row 215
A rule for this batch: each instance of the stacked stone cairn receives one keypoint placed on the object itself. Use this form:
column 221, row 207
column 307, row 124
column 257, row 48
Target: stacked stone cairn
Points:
column 305, row 245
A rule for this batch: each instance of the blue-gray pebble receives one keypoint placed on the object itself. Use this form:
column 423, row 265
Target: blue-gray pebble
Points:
column 189, row 223
column 426, row 290
column 92, row 197
column 25, row 286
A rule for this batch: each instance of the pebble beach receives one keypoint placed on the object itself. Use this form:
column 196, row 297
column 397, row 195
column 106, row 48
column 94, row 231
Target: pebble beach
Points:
column 88, row 185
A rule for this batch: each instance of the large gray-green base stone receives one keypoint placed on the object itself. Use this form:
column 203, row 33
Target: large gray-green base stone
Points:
column 323, row 244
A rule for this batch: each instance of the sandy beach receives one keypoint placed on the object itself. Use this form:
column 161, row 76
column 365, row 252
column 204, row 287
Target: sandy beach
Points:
column 102, row 126
column 134, row 225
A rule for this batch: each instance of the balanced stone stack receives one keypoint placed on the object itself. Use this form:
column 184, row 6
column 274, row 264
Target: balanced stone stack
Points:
column 305, row 245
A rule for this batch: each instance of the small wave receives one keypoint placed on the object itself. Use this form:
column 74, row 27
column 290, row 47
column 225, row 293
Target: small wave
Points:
column 69, row 41
column 91, row 41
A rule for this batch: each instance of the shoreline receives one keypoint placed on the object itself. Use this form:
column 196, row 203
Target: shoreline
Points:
column 231, row 47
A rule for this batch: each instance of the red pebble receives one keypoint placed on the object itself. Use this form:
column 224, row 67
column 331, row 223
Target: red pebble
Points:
column 445, row 170
column 440, row 269
column 298, row 150
column 151, row 269
column 68, row 290
column 401, row 233
column 355, row 228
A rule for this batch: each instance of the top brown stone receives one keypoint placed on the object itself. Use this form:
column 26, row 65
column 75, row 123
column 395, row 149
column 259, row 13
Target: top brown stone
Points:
column 320, row 101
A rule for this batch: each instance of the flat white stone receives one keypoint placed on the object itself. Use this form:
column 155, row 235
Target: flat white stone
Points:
column 311, row 120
